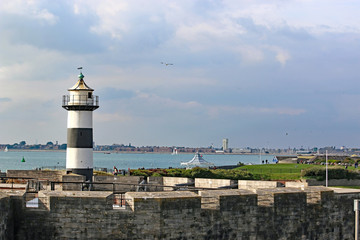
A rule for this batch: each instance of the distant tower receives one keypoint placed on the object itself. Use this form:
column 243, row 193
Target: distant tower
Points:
column 225, row 144
column 80, row 104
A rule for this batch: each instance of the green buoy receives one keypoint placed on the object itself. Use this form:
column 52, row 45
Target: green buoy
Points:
column 23, row 159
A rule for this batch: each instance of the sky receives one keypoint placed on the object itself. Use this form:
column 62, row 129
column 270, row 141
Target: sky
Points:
column 262, row 73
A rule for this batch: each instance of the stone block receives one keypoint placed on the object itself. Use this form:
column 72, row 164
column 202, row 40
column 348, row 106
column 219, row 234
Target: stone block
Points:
column 77, row 182
column 213, row 183
column 173, row 181
column 227, row 199
column 253, row 184
column 157, row 201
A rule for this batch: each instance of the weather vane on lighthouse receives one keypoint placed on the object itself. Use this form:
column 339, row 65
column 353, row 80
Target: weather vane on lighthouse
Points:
column 80, row 104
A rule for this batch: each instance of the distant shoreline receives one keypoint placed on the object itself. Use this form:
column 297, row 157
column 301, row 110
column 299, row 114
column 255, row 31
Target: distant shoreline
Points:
column 132, row 152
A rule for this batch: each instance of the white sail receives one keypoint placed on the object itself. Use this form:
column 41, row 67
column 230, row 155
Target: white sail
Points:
column 6, row 149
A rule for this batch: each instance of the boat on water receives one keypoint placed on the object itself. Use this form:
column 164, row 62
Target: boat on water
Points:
column 197, row 161
column 6, row 149
column 174, row 152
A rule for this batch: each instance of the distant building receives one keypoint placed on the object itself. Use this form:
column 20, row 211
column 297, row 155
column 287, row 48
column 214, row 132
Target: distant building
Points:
column 241, row 150
column 225, row 144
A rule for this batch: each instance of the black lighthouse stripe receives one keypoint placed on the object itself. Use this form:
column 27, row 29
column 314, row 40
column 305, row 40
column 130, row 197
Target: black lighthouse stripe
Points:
column 79, row 138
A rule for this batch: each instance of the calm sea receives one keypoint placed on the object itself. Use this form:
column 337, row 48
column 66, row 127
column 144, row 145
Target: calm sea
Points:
column 12, row 160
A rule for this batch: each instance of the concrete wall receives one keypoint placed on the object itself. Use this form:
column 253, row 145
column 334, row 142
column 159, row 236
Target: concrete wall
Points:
column 172, row 181
column 296, row 184
column 122, row 183
column 252, row 184
column 37, row 174
column 157, row 182
column 278, row 213
column 72, row 177
column 213, row 183
column 334, row 182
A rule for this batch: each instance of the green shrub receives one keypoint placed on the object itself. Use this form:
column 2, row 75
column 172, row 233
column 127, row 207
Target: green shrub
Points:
column 197, row 172
column 319, row 173
column 139, row 172
column 156, row 174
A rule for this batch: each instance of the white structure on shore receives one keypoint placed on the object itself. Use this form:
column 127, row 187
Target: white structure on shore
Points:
column 197, row 161
column 80, row 103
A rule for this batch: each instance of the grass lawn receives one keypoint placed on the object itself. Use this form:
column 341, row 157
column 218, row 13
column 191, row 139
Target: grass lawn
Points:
column 281, row 171
column 355, row 187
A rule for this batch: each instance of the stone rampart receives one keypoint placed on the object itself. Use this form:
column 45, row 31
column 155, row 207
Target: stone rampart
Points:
column 37, row 174
column 213, row 183
column 117, row 183
column 265, row 213
column 173, row 181
column 252, row 184
column 334, row 182
column 4, row 215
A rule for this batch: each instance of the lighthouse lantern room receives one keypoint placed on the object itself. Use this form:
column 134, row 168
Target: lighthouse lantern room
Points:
column 80, row 103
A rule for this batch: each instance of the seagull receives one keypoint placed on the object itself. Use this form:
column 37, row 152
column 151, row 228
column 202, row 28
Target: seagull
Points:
column 167, row 64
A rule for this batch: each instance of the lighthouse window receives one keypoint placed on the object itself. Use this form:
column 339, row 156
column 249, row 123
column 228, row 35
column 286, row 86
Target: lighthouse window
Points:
column 89, row 95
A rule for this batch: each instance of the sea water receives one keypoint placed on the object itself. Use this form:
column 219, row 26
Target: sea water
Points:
column 52, row 159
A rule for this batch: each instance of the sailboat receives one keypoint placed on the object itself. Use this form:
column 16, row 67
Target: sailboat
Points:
column 174, row 152
column 6, row 149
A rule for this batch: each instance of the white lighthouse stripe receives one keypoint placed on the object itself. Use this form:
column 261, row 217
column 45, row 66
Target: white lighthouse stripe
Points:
column 79, row 119
column 79, row 158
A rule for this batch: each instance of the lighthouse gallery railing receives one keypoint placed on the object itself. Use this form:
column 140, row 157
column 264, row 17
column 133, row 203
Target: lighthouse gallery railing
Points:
column 83, row 102
column 80, row 100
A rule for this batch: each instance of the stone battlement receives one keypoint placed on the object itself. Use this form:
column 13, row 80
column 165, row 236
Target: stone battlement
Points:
column 262, row 213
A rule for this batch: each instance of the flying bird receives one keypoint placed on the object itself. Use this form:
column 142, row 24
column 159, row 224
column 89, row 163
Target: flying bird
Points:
column 166, row 64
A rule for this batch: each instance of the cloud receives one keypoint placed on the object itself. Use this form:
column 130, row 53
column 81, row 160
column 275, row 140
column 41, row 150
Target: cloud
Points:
column 250, row 64
column 112, row 117
column 31, row 9
column 221, row 111
column 5, row 99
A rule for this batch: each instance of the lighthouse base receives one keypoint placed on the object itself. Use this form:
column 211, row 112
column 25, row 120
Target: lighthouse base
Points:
column 88, row 172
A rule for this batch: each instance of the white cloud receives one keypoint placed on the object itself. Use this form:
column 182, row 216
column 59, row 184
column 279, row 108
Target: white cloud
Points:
column 282, row 56
column 249, row 53
column 167, row 103
column 220, row 111
column 112, row 117
column 32, row 9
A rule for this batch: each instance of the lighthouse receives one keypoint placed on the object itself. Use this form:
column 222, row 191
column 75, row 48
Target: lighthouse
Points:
column 80, row 104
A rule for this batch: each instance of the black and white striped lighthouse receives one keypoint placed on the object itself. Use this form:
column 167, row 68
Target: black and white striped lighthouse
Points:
column 80, row 104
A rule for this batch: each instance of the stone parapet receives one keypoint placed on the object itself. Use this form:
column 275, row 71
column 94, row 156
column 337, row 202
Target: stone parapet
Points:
column 264, row 213
column 173, row 181
column 213, row 183
column 253, row 184
column 227, row 200
column 51, row 175
column 75, row 182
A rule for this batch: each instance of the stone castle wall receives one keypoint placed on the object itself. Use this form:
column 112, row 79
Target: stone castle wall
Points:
column 263, row 213
column 4, row 215
column 50, row 175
